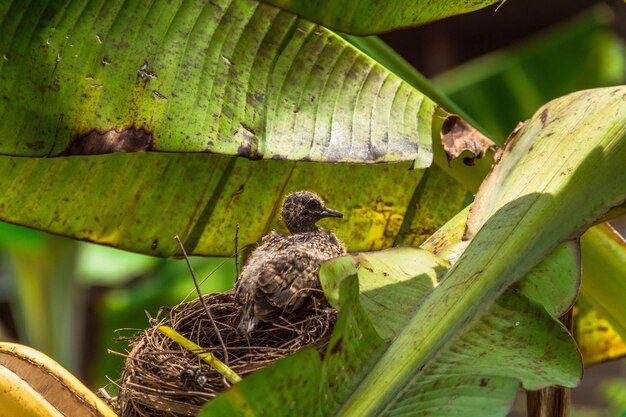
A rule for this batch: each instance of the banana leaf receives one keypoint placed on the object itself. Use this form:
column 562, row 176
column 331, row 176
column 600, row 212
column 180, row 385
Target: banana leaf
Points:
column 228, row 77
column 500, row 89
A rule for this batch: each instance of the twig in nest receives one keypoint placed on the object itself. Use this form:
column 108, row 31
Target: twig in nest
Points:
column 206, row 308
column 236, row 253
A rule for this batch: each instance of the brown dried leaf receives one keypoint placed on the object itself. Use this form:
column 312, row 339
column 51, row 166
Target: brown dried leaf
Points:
column 457, row 136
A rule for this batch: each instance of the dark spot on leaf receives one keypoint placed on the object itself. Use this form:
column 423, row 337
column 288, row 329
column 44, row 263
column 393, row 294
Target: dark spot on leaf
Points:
column 227, row 111
column 484, row 382
column 238, row 191
column 248, row 129
column 158, row 95
column 457, row 136
column 544, row 116
column 155, row 243
column 96, row 142
column 254, row 99
column 469, row 161
column 376, row 152
column 35, row 145
column 338, row 347
column 144, row 72
column 249, row 145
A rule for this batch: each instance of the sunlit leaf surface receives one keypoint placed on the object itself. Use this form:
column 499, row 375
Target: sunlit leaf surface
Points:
column 233, row 77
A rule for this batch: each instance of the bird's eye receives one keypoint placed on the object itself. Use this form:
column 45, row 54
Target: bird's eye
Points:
column 313, row 205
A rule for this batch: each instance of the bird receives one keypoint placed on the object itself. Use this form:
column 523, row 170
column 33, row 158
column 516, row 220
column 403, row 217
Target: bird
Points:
column 281, row 274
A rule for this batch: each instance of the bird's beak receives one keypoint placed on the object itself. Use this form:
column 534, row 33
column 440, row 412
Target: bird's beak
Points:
column 331, row 213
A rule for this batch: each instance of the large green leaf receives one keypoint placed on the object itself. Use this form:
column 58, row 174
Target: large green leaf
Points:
column 230, row 77
column 564, row 164
column 369, row 17
column 583, row 53
column 140, row 201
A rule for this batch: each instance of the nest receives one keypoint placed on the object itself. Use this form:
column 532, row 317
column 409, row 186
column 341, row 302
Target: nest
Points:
column 162, row 378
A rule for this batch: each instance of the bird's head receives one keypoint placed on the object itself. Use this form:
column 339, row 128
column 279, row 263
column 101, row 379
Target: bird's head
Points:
column 302, row 209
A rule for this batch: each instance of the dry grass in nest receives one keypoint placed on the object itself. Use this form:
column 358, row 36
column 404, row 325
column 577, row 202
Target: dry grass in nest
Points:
column 163, row 379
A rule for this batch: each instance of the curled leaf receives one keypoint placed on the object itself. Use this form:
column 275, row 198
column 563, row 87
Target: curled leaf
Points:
column 457, row 136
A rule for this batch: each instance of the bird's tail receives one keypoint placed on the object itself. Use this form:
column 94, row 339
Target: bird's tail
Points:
column 248, row 322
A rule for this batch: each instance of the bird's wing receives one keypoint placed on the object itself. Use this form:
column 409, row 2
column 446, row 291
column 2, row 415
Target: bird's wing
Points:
column 247, row 280
column 286, row 281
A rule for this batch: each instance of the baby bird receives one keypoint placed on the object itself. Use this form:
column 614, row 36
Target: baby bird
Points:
column 281, row 274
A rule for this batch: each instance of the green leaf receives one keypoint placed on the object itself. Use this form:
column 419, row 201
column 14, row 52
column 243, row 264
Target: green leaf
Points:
column 297, row 374
column 564, row 164
column 553, row 283
column 390, row 285
column 369, row 17
column 542, row 177
column 468, row 177
column 229, row 77
column 530, row 74
column 139, row 201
